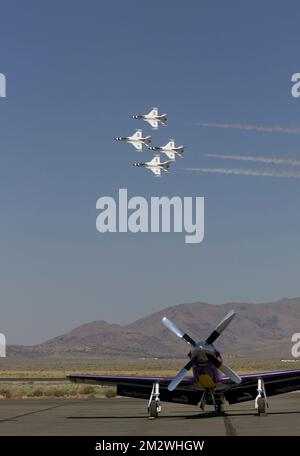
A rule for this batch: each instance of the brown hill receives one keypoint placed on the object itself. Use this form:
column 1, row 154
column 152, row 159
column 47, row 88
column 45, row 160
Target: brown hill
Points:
column 257, row 330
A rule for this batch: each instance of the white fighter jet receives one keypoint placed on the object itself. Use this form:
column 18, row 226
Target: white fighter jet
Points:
column 169, row 149
column 137, row 140
column 155, row 165
column 153, row 118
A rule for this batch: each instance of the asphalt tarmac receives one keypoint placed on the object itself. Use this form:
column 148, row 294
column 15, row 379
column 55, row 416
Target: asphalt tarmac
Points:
column 122, row 416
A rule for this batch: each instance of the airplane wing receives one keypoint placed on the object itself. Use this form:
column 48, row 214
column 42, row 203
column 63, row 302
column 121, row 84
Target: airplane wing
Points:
column 156, row 171
column 155, row 161
column 137, row 134
column 141, row 387
column 153, row 112
column 275, row 383
column 170, row 155
column 136, row 144
column 189, row 393
column 153, row 123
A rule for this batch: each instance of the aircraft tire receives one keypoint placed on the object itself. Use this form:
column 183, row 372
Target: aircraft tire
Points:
column 153, row 409
column 262, row 406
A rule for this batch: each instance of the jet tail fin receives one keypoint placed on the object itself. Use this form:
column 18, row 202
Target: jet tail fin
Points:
column 164, row 119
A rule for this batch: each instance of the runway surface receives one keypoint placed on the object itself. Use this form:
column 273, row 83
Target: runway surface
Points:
column 122, row 416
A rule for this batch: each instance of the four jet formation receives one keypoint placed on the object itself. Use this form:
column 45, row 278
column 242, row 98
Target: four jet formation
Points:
column 139, row 141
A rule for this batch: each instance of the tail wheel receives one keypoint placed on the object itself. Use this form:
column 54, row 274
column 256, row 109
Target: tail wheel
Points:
column 153, row 409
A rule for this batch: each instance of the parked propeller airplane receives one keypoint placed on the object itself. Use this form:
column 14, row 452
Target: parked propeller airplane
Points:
column 169, row 149
column 155, row 165
column 153, row 118
column 137, row 140
column 206, row 386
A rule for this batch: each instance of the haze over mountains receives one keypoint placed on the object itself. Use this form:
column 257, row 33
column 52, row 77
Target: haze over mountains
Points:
column 258, row 330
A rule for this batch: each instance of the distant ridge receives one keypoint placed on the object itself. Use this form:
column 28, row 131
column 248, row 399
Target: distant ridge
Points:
column 258, row 330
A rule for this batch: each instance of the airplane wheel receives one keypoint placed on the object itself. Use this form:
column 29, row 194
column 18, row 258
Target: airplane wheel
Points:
column 153, row 409
column 262, row 406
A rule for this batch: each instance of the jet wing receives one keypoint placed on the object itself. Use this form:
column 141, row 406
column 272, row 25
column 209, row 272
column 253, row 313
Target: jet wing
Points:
column 153, row 123
column 275, row 383
column 156, row 171
column 170, row 155
column 153, row 112
column 136, row 144
column 141, row 387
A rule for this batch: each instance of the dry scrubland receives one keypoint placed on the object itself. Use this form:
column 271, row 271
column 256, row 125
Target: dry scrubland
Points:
column 58, row 369
column 21, row 390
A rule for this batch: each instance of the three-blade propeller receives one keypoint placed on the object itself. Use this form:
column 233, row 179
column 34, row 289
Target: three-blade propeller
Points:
column 206, row 348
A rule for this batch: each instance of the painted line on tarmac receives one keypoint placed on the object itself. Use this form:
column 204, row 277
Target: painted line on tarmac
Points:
column 12, row 418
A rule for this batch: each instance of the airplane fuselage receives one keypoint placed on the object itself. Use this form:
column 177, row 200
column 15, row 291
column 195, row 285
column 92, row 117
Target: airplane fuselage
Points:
column 169, row 149
column 162, row 117
column 153, row 118
column 147, row 165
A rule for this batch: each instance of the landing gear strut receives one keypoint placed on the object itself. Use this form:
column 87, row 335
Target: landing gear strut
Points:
column 154, row 406
column 217, row 401
column 261, row 401
column 202, row 402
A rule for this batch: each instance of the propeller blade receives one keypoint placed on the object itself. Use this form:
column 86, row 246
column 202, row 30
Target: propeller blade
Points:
column 225, row 369
column 181, row 374
column 174, row 329
column 220, row 328
column 230, row 373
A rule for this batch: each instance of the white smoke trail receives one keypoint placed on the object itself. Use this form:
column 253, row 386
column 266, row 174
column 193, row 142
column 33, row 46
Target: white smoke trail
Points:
column 250, row 158
column 248, row 172
column 258, row 128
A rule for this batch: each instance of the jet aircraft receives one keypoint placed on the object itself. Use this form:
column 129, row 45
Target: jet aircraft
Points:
column 153, row 118
column 169, row 149
column 155, row 165
column 137, row 140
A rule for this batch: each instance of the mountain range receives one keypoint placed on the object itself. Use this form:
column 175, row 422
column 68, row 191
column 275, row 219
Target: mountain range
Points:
column 258, row 330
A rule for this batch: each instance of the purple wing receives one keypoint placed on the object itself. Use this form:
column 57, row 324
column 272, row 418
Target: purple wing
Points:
column 141, row 387
column 278, row 382
column 126, row 380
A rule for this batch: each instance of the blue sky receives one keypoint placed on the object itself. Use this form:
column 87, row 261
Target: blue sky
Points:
column 75, row 73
